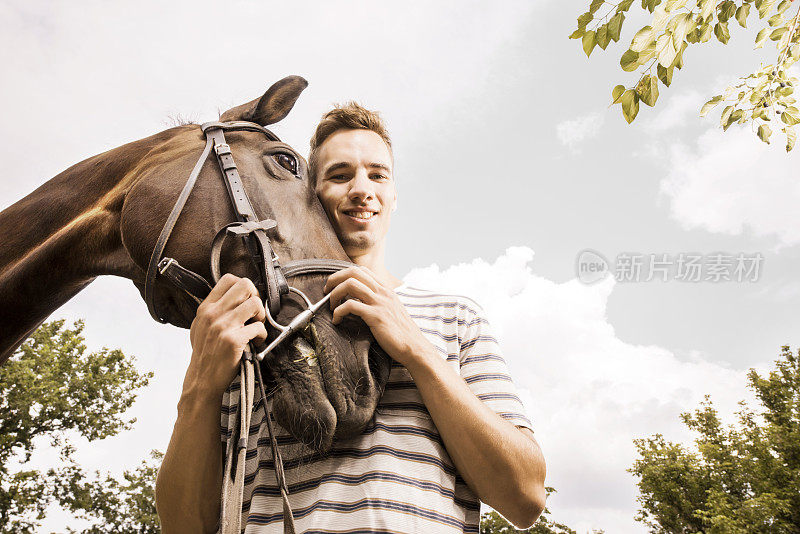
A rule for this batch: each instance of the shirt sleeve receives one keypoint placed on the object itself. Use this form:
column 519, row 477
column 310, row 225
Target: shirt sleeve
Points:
column 485, row 371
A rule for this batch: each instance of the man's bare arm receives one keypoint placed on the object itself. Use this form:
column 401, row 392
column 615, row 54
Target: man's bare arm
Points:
column 189, row 482
column 502, row 464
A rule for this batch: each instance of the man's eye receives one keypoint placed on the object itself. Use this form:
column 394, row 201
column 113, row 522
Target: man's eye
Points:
column 338, row 177
column 287, row 162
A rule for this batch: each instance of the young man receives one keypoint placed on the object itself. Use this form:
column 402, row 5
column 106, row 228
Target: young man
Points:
column 449, row 429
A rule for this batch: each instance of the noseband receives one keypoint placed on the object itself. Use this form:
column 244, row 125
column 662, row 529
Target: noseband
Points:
column 273, row 284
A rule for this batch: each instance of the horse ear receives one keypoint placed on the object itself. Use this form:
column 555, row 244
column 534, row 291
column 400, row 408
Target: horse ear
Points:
column 273, row 106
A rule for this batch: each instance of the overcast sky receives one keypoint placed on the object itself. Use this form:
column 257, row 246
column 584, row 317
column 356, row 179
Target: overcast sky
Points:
column 509, row 163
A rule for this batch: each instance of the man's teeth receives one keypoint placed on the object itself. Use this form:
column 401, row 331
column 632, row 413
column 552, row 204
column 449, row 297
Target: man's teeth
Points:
column 361, row 214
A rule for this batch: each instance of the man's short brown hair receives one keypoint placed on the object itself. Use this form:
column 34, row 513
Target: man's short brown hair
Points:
column 348, row 116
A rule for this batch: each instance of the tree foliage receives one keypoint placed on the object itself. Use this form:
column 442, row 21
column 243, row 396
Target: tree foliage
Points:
column 112, row 506
column 762, row 98
column 743, row 478
column 50, row 389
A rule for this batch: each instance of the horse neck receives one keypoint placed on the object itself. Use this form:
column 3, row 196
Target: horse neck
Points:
column 62, row 236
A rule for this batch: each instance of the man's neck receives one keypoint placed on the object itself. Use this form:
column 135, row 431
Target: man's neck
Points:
column 374, row 261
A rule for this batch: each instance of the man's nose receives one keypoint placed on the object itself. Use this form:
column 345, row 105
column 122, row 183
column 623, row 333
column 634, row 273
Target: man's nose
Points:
column 361, row 188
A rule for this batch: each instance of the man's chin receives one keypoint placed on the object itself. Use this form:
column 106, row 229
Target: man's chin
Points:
column 356, row 242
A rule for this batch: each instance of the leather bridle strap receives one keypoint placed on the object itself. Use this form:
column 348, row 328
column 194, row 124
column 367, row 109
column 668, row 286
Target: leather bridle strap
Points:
column 166, row 231
column 260, row 247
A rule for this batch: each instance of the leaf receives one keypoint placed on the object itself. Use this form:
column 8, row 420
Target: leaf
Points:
column 649, row 93
column 706, row 32
column 708, row 106
column 584, row 20
column 707, row 8
column 630, row 105
column 629, row 61
column 589, row 42
column 616, row 93
column 642, row 39
column 647, row 54
column 595, row 5
column 665, row 75
column 784, row 5
column 666, row 50
column 725, row 117
column 741, row 15
column 660, row 19
column 683, row 25
column 764, row 132
column 603, row 38
column 577, row 34
column 764, row 8
column 776, row 20
column 722, row 33
column 791, row 137
column 625, row 5
column 778, row 33
column 726, row 11
column 789, row 118
column 679, row 56
column 615, row 26
column 762, row 37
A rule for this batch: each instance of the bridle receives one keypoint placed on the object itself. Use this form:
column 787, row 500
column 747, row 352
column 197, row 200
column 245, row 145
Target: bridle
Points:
column 273, row 284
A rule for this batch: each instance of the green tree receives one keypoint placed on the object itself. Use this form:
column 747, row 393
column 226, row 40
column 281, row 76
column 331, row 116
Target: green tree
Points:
column 50, row 389
column 114, row 507
column 740, row 478
column 493, row 523
column 762, row 98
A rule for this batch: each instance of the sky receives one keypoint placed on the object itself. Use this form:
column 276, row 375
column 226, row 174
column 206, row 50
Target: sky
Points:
column 509, row 164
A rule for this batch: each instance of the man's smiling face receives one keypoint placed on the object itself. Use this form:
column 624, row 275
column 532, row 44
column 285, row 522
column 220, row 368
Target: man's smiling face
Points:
column 355, row 185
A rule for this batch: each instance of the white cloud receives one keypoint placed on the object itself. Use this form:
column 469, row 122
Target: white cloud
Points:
column 572, row 133
column 730, row 181
column 589, row 393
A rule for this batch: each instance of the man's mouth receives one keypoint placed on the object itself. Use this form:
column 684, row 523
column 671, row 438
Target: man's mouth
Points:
column 362, row 215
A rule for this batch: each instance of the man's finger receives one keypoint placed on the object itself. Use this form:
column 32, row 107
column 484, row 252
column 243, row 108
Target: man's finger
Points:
column 351, row 272
column 254, row 331
column 238, row 293
column 252, row 307
column 221, row 287
column 351, row 307
column 354, row 288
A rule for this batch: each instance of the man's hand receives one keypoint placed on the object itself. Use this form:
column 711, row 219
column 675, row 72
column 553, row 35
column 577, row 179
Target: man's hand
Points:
column 220, row 332
column 379, row 307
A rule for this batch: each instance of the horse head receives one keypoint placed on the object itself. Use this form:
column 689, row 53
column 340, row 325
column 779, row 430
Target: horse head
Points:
column 329, row 378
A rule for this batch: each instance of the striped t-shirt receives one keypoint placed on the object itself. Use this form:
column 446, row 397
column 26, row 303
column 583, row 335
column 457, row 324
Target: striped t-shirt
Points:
column 396, row 476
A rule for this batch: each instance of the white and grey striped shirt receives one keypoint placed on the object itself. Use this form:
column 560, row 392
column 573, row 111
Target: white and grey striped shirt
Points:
column 396, row 476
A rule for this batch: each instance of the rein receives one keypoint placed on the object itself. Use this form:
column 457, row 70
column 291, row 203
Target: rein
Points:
column 274, row 285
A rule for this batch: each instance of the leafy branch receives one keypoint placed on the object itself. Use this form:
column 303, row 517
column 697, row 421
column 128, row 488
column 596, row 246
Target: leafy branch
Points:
column 763, row 97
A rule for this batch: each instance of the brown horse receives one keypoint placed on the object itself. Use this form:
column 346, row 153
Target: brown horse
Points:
column 103, row 216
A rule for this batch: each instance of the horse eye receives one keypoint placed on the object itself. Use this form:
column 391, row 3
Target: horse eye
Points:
column 287, row 162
